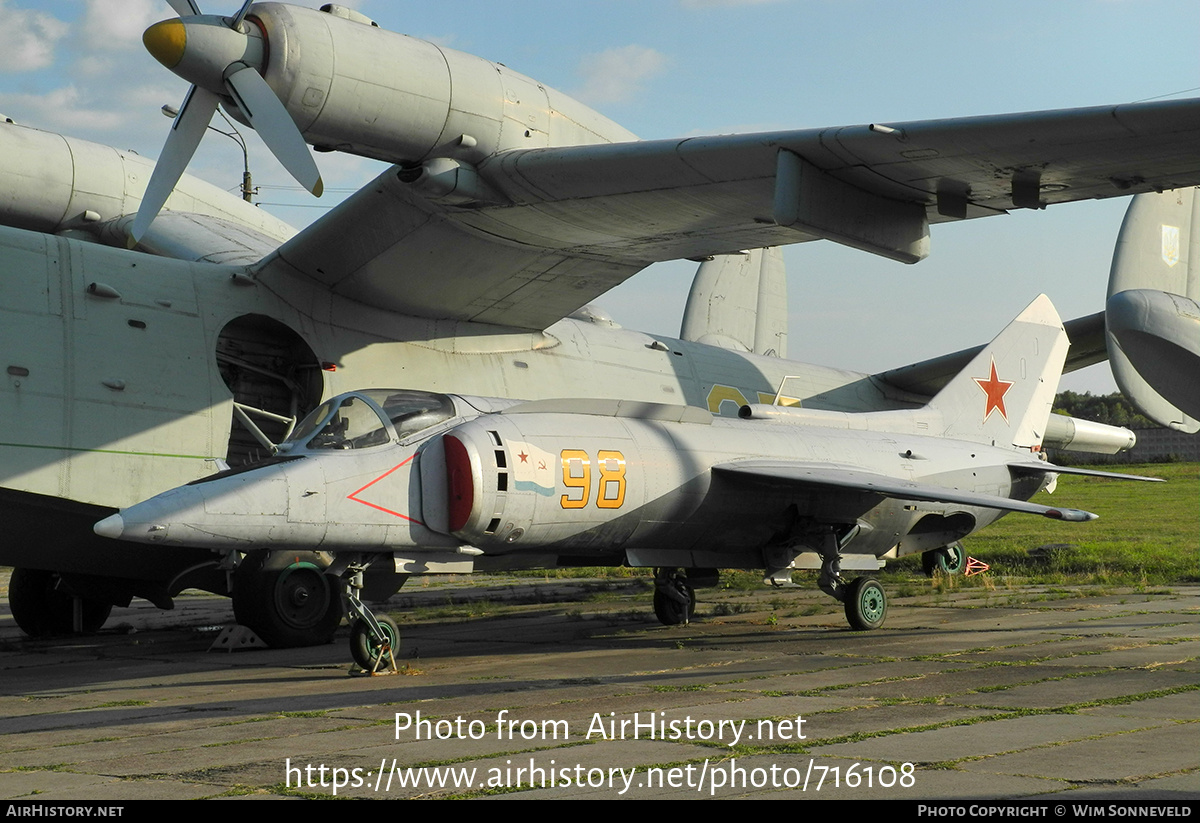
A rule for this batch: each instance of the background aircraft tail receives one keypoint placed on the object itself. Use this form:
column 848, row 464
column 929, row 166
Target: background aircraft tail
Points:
column 1005, row 393
column 739, row 301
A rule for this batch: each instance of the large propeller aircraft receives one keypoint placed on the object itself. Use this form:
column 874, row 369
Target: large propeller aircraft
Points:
column 462, row 274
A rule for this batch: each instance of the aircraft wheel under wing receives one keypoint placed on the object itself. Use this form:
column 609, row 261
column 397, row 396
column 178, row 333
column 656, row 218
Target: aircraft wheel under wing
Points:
column 947, row 560
column 286, row 598
column 866, row 604
column 365, row 648
column 41, row 608
column 674, row 598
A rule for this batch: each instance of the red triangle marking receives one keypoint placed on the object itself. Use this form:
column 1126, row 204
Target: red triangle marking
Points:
column 353, row 495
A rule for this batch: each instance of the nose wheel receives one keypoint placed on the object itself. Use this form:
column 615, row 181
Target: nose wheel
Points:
column 374, row 647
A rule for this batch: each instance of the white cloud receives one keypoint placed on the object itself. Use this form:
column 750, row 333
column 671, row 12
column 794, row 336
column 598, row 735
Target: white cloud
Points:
column 59, row 109
column 117, row 25
column 27, row 38
column 614, row 75
column 127, row 120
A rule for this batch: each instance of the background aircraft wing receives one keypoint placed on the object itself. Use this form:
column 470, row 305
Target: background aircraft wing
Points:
column 527, row 236
column 928, row 377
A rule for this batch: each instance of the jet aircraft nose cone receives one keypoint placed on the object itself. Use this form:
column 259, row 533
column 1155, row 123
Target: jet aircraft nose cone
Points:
column 166, row 41
column 112, row 526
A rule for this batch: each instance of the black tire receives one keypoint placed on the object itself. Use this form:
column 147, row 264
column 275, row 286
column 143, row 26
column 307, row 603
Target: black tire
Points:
column 947, row 560
column 669, row 611
column 364, row 648
column 42, row 609
column 286, row 598
column 866, row 604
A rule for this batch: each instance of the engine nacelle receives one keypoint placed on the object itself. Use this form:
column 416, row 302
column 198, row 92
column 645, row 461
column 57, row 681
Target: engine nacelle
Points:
column 1153, row 310
column 533, row 482
column 54, row 184
column 360, row 89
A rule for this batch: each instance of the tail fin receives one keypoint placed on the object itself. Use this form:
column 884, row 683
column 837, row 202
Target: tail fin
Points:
column 1005, row 393
column 740, row 299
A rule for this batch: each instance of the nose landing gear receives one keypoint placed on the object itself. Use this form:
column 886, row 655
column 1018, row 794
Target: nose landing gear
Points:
column 374, row 639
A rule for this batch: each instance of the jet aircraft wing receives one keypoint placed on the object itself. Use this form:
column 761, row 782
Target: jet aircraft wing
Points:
column 526, row 236
column 928, row 377
column 857, row 480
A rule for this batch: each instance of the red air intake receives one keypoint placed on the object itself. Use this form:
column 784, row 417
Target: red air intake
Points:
column 459, row 485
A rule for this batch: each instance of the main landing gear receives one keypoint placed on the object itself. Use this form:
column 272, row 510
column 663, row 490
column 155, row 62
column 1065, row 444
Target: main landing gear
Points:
column 287, row 598
column 865, row 603
column 949, row 559
column 863, row 598
column 292, row 599
column 674, row 597
column 42, row 604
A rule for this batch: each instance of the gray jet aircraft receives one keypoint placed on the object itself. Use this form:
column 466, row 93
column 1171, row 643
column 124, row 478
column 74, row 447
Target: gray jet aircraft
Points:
column 420, row 482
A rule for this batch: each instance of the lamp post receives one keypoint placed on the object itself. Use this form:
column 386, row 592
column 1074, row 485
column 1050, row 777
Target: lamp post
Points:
column 235, row 136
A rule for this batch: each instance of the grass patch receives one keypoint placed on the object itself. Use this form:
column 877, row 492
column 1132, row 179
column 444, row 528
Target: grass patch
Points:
column 1148, row 534
column 112, row 704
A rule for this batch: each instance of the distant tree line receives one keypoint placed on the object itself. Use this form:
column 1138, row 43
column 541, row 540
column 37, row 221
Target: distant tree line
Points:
column 1112, row 409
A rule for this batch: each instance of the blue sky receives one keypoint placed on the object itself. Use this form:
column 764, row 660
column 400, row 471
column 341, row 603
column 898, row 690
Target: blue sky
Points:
column 667, row 68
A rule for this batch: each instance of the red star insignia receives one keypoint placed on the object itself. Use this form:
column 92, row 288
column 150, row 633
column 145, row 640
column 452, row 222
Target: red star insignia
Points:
column 995, row 389
column 524, row 457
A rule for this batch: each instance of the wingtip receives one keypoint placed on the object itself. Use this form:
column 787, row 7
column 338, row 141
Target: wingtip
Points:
column 318, row 188
column 1071, row 515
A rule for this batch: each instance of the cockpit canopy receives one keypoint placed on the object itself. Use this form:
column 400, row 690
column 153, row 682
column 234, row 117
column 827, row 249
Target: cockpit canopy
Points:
column 368, row 418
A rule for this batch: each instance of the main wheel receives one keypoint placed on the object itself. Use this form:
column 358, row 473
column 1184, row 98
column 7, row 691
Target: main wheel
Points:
column 866, row 604
column 677, row 606
column 365, row 648
column 286, row 598
column 42, row 608
column 947, row 560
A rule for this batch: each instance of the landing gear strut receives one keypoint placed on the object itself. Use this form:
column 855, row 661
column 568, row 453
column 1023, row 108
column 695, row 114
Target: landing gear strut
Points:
column 863, row 598
column 374, row 639
column 674, row 597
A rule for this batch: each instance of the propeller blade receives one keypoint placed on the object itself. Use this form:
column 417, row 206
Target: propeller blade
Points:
column 274, row 125
column 237, row 18
column 190, row 124
column 184, row 8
